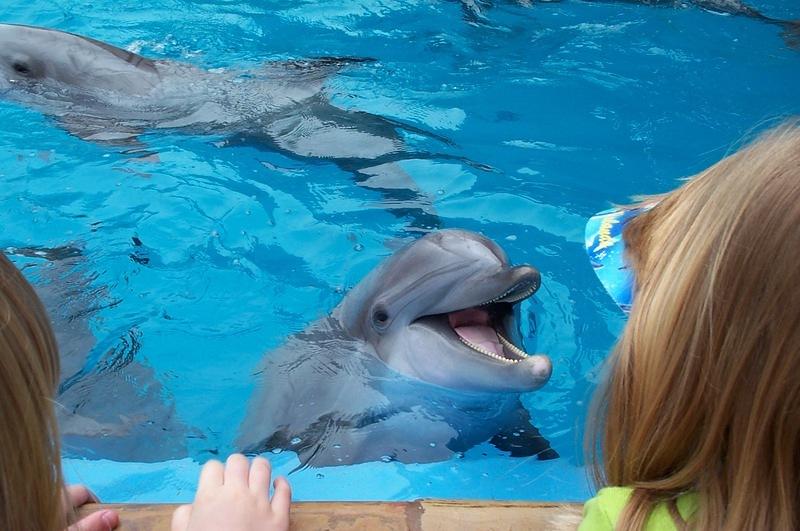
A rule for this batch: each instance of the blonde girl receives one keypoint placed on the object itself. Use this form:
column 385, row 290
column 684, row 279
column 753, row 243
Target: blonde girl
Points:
column 32, row 492
column 697, row 425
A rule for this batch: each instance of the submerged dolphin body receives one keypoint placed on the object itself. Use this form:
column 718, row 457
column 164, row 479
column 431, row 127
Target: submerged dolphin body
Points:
column 102, row 93
column 475, row 12
column 791, row 28
column 415, row 364
column 108, row 402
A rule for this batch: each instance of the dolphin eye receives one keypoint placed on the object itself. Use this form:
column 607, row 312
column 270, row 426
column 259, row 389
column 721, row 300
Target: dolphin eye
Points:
column 20, row 68
column 380, row 317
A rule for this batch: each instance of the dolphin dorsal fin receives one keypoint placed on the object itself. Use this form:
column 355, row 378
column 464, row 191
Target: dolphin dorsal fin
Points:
column 129, row 57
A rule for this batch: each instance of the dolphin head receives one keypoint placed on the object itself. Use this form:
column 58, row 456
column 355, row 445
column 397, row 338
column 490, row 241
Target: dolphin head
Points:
column 40, row 59
column 441, row 310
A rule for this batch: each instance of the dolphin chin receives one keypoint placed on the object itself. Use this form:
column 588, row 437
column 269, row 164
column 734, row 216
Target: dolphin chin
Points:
column 419, row 361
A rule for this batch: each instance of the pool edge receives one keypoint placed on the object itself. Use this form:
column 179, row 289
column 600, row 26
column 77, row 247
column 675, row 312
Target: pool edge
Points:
column 420, row 515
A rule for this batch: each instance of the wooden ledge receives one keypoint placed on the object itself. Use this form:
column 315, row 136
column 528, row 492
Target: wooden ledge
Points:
column 423, row 515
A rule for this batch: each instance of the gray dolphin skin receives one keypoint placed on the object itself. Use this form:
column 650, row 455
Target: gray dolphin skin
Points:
column 108, row 402
column 475, row 12
column 104, row 93
column 108, row 95
column 791, row 28
column 418, row 362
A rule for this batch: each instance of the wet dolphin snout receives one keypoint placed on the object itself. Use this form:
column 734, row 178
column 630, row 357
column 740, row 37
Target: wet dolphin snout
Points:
column 541, row 368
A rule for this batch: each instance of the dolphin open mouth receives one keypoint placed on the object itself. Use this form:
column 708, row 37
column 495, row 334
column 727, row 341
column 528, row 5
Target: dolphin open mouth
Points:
column 485, row 328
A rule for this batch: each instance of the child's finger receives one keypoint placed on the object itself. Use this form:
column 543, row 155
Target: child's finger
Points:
column 78, row 495
column 282, row 498
column 259, row 477
column 99, row 521
column 237, row 470
column 211, row 475
column 180, row 518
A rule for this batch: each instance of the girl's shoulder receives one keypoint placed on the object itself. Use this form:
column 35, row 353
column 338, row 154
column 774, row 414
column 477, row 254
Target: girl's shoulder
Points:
column 603, row 511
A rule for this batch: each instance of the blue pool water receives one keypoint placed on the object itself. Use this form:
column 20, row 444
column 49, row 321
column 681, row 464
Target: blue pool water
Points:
column 195, row 263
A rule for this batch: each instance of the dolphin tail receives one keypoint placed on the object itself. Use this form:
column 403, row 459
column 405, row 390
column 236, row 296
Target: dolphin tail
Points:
column 791, row 33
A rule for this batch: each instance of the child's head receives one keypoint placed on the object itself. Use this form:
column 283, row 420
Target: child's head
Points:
column 703, row 391
column 30, row 471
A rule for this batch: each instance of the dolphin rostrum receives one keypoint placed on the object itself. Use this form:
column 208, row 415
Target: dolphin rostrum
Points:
column 418, row 362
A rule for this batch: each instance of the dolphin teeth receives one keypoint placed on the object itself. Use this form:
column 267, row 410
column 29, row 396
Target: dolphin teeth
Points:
column 485, row 352
column 524, row 295
column 511, row 346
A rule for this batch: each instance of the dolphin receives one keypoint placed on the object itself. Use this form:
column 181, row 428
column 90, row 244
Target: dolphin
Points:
column 791, row 28
column 108, row 402
column 108, row 95
column 421, row 360
column 474, row 12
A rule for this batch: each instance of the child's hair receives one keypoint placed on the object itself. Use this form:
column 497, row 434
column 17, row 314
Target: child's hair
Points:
column 31, row 484
column 703, row 388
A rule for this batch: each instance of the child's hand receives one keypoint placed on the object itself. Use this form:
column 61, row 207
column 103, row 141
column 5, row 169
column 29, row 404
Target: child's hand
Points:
column 236, row 498
column 77, row 495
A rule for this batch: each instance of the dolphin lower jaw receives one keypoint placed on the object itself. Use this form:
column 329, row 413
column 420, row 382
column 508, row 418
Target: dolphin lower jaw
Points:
column 508, row 347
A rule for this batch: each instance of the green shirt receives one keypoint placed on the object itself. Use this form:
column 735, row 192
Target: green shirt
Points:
column 602, row 512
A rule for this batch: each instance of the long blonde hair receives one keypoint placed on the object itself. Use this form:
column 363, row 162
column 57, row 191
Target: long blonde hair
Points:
column 703, row 388
column 31, row 484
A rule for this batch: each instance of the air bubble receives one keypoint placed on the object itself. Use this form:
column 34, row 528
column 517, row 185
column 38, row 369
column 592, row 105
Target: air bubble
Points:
column 358, row 247
column 296, row 440
column 277, row 450
column 386, row 459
